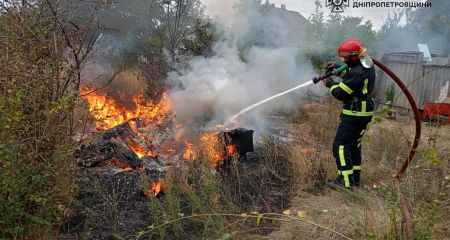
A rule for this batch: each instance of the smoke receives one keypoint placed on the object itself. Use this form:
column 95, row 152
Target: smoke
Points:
column 403, row 30
column 101, row 72
column 249, row 63
column 252, row 59
column 437, row 42
column 125, row 27
column 222, row 11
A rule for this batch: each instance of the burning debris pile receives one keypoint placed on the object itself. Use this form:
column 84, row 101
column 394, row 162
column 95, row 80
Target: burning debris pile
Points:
column 145, row 137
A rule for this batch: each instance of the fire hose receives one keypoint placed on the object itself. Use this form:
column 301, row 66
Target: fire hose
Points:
column 397, row 176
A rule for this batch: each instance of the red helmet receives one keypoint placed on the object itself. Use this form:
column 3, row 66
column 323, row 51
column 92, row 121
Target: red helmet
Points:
column 351, row 48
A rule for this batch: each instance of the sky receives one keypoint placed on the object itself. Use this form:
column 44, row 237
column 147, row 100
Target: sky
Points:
column 306, row 7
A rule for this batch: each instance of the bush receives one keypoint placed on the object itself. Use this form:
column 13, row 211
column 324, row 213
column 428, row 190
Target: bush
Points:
column 35, row 182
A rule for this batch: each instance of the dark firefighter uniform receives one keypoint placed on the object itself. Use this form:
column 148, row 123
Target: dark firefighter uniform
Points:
column 354, row 90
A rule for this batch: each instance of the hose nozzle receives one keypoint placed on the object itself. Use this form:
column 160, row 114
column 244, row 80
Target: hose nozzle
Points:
column 334, row 72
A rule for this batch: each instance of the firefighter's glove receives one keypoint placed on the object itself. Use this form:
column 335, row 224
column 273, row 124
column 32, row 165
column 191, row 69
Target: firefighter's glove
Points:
column 331, row 66
column 329, row 82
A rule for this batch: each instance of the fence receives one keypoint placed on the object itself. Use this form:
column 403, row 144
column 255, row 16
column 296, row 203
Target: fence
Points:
column 424, row 79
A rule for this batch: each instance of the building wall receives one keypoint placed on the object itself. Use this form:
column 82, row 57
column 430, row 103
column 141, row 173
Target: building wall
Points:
column 424, row 79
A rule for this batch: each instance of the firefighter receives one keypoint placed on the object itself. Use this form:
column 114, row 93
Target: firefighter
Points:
column 354, row 91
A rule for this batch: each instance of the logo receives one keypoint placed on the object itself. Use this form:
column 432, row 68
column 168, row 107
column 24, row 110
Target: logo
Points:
column 337, row 6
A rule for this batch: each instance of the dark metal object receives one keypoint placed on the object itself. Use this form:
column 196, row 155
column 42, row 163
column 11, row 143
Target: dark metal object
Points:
column 241, row 138
column 123, row 129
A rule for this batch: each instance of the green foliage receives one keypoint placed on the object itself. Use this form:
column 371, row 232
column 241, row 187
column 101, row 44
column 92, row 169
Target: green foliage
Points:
column 429, row 186
column 389, row 97
column 431, row 25
column 423, row 25
column 150, row 31
column 389, row 194
column 390, row 94
column 424, row 186
column 202, row 39
column 325, row 35
column 377, row 119
column 35, row 183
column 425, row 220
column 389, row 34
column 431, row 157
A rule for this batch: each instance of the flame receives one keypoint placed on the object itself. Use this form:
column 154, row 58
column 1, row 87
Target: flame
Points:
column 171, row 151
column 108, row 113
column 118, row 163
column 139, row 151
column 154, row 189
column 211, row 146
column 189, row 152
column 231, row 150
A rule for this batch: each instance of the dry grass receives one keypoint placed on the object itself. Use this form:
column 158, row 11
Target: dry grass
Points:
column 292, row 176
column 352, row 213
column 357, row 212
column 371, row 212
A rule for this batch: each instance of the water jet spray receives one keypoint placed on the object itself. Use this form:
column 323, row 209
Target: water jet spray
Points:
column 315, row 80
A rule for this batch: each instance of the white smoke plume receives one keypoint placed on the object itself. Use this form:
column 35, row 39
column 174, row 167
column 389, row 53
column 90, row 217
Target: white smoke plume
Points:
column 222, row 11
column 214, row 88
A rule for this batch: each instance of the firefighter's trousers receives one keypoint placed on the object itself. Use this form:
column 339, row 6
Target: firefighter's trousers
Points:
column 347, row 148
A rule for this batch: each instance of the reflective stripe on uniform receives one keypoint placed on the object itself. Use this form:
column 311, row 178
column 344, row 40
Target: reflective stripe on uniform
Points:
column 357, row 114
column 366, row 84
column 333, row 87
column 345, row 88
column 363, row 106
column 358, row 168
column 345, row 176
column 341, row 155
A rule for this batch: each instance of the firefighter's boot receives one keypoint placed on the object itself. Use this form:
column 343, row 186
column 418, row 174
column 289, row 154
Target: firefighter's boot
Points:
column 357, row 178
column 339, row 183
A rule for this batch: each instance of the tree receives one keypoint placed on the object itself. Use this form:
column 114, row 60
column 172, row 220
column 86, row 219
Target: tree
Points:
column 42, row 55
column 325, row 35
column 183, row 32
column 317, row 28
column 432, row 25
column 182, row 18
column 387, row 38
column 154, row 37
column 78, row 34
column 423, row 25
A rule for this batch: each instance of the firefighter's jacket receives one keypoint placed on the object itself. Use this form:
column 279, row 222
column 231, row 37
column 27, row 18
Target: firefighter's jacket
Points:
column 354, row 90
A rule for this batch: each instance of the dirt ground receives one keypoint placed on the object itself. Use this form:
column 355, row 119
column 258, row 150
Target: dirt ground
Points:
column 367, row 212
